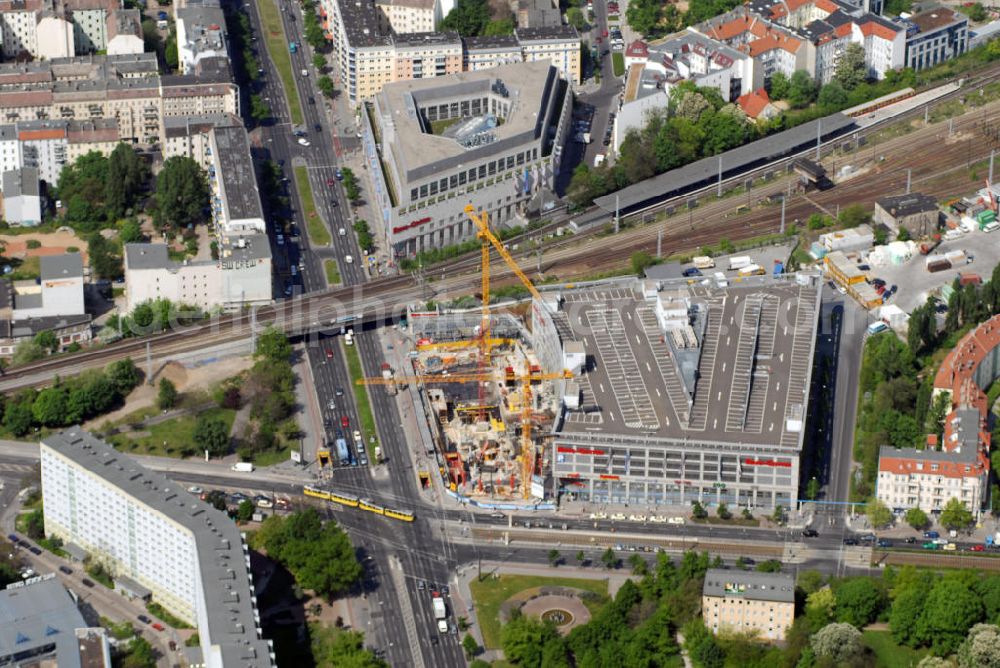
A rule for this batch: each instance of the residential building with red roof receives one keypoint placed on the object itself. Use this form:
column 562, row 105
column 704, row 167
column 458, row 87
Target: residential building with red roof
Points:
column 929, row 478
column 757, row 105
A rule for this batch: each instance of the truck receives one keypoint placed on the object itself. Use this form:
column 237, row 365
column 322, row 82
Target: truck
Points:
column 243, row 467
column 927, row 246
column 440, row 612
column 598, row 160
column 342, row 452
column 739, row 261
column 752, row 270
column 703, row 262
column 938, row 264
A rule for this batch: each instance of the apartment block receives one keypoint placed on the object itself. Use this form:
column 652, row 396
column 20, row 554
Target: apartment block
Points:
column 236, row 204
column 483, row 53
column 58, row 292
column 201, row 33
column 22, row 201
column 761, row 604
column 47, row 29
column 558, row 45
column 127, row 90
column 934, row 36
column 372, row 52
column 409, row 16
column 151, row 534
column 189, row 136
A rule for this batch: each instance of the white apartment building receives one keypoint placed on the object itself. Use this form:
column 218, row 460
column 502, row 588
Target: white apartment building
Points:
column 47, row 29
column 928, row 479
column 55, row 37
column 47, row 146
column 483, row 53
column 190, row 136
column 559, row 45
column 407, row 16
column 22, row 202
column 58, row 292
column 201, row 33
column 236, row 204
column 148, row 529
column 760, row 604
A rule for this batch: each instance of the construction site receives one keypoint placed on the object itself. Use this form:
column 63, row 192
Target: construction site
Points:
column 491, row 399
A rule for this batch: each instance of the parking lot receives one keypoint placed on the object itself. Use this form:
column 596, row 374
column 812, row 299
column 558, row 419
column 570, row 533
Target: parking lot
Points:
column 914, row 283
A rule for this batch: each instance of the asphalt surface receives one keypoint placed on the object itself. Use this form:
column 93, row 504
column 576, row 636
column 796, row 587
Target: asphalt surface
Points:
column 421, row 553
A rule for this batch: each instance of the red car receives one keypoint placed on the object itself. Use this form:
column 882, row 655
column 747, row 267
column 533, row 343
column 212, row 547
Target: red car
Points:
column 344, row 421
column 158, row 626
column 605, row 34
column 329, row 353
column 329, row 183
column 977, row 548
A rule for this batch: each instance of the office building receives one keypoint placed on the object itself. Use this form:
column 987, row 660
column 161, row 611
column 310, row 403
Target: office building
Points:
column 40, row 625
column 59, row 291
column 22, row 200
column 147, row 530
column 490, row 138
column 934, row 36
column 690, row 392
column 758, row 604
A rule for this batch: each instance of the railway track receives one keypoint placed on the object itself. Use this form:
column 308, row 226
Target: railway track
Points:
column 680, row 233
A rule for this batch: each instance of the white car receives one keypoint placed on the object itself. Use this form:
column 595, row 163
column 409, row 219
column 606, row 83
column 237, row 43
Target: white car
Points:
column 194, row 489
column 357, row 435
column 348, row 259
column 598, row 516
column 618, row 516
column 637, row 518
column 305, row 73
column 676, row 520
column 658, row 519
column 342, row 231
column 303, row 141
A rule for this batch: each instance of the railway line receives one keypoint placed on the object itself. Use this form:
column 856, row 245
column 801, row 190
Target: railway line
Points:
column 923, row 149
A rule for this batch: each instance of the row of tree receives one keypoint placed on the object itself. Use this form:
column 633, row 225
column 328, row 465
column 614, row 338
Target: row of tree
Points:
column 70, row 401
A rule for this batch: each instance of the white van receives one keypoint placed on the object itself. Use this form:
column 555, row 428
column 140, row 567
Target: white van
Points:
column 877, row 327
column 992, row 227
column 720, row 280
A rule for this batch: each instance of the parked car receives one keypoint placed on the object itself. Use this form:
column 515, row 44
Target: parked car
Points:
column 931, row 534
column 810, row 533
column 884, row 542
column 930, row 546
column 144, row 619
column 910, row 540
column 692, row 271
column 850, row 541
column 238, row 497
column 69, row 571
column 262, row 501
column 35, row 550
column 977, row 548
column 87, row 583
column 158, row 626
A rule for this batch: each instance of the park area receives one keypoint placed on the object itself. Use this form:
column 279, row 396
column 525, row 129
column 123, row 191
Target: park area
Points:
column 491, row 593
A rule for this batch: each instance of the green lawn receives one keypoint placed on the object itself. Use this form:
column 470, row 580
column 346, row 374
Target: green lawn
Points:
column 618, row 64
column 490, row 593
column 272, row 457
column 888, row 654
column 438, row 127
column 277, row 47
column 361, row 399
column 332, row 273
column 318, row 234
column 171, row 438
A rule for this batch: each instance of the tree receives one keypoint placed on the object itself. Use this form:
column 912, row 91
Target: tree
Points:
column 581, row 557
column 917, row 518
column 723, row 512
column 769, row 566
column 468, row 18
column 812, row 489
column 832, row 95
column 47, row 340
column 49, row 408
column 260, row 110
column 779, row 86
column 272, row 344
column 801, row 89
column 166, row 397
column 698, row 511
column 859, row 601
column 140, row 654
column 878, row 514
column 325, row 85
column 955, row 515
column 906, row 611
column 319, row 555
column 524, row 640
column 977, row 12
column 778, row 516
column 125, row 176
column 851, row 70
column 82, row 186
column 641, row 260
column 344, row 648
column 574, row 17
column 609, row 559
column 170, row 58
column 981, row 648
column 217, row 499
column 18, row 417
column 319, row 61
column 470, row 646
column 499, row 28
column 105, row 259
column 131, row 232
column 554, row 557
column 854, row 215
column 244, row 511
column 181, row 193
column 27, row 351
column 838, row 642
column 950, row 610
column 124, row 376
column 211, row 434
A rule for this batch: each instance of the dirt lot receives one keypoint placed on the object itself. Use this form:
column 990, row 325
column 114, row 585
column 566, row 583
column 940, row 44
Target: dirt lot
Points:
column 185, row 378
column 53, row 243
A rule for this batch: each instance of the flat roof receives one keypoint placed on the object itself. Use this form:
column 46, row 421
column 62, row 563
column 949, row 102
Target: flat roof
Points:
column 224, row 576
column 907, row 205
column 38, row 613
column 733, row 366
column 238, row 179
column 560, row 33
column 424, row 39
column 936, row 18
column 491, row 43
column 758, row 153
column 750, row 585
column 155, row 256
column 360, row 24
column 418, row 154
column 23, row 181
